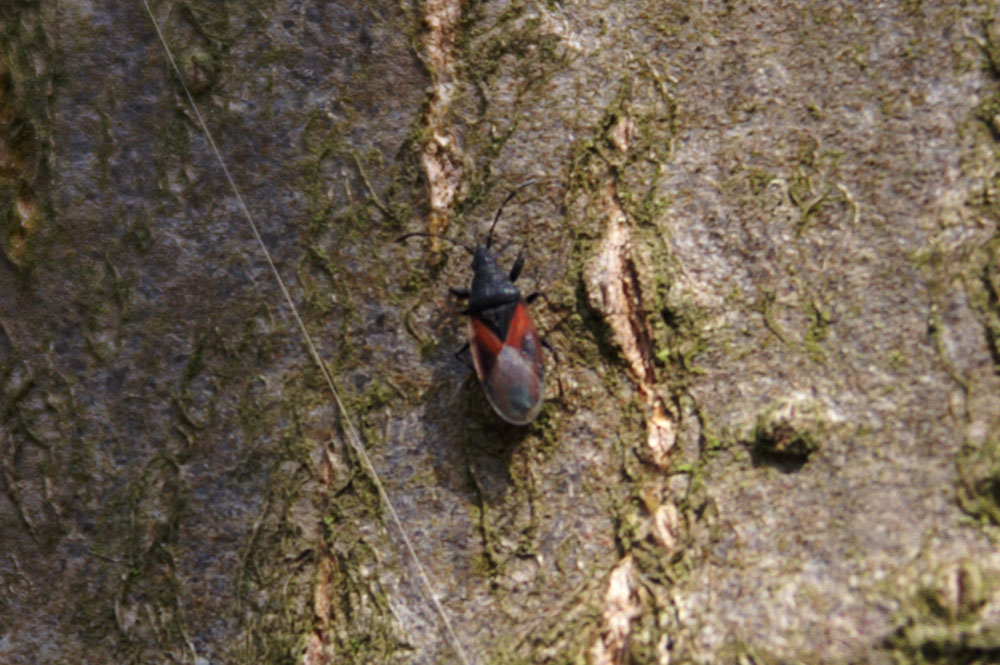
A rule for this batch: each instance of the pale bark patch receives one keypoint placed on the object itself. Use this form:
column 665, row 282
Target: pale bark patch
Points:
column 615, row 290
column 441, row 156
column 621, row 606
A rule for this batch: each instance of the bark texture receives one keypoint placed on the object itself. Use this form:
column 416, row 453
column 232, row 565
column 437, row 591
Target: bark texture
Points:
column 769, row 239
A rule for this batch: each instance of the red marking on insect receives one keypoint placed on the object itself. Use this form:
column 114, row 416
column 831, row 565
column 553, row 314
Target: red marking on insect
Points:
column 505, row 347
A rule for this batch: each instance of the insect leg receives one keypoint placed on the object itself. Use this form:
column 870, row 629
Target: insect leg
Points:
column 464, row 355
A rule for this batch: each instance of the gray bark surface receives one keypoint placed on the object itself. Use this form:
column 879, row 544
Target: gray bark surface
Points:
column 767, row 234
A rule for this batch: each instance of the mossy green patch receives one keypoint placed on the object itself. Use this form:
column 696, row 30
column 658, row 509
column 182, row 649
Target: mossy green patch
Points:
column 28, row 69
column 977, row 462
column 978, row 490
column 946, row 617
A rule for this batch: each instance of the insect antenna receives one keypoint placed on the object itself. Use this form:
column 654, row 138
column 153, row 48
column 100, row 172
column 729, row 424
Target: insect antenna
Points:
column 496, row 218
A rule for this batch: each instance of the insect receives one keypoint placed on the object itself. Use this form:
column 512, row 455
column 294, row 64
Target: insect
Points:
column 504, row 345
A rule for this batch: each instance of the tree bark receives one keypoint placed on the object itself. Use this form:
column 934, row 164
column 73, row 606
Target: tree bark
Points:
column 767, row 236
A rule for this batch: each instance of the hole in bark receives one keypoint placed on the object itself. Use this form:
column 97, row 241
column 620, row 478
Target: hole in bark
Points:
column 781, row 447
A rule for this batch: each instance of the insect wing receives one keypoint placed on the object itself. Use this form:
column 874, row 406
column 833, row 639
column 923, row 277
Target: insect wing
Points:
column 510, row 370
column 522, row 336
